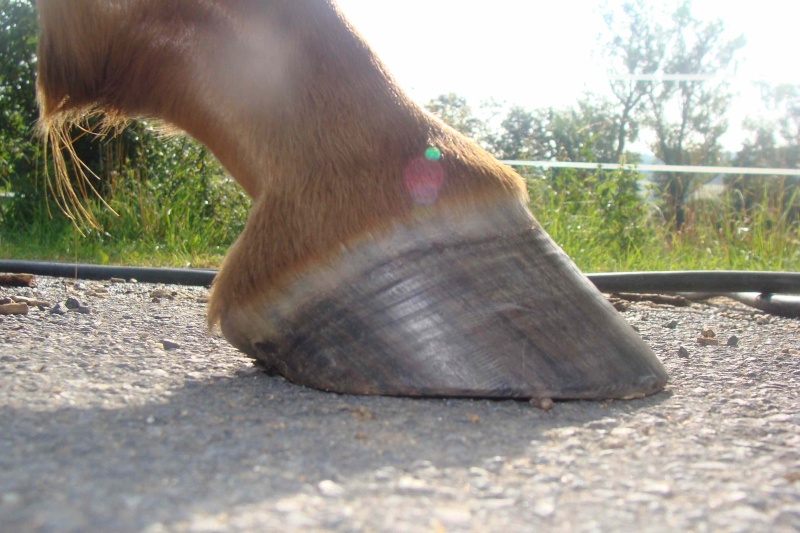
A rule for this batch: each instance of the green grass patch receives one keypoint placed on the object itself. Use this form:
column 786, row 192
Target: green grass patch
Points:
column 182, row 219
column 603, row 224
column 189, row 219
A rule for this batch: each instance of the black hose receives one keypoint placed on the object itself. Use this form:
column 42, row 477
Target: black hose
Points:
column 774, row 304
column 175, row 276
column 720, row 281
column 763, row 284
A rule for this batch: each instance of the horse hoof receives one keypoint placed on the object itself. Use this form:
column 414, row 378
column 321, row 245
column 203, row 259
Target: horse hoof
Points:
column 450, row 308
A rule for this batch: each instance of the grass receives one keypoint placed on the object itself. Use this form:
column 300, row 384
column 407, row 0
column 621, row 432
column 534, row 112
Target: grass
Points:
column 153, row 224
column 599, row 219
column 604, row 226
column 171, row 205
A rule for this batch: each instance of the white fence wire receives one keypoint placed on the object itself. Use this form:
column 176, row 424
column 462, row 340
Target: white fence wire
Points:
column 686, row 169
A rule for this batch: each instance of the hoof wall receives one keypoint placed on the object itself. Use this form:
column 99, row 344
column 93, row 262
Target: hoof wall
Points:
column 505, row 316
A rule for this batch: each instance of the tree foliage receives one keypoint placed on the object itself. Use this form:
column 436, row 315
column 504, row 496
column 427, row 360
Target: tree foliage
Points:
column 686, row 111
column 455, row 112
column 19, row 152
column 523, row 135
column 141, row 173
column 589, row 131
column 634, row 47
column 584, row 132
column 772, row 143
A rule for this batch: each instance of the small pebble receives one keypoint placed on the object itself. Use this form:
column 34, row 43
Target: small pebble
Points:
column 117, row 280
column 32, row 302
column 476, row 471
column 733, row 340
column 170, row 344
column 545, row 404
column 10, row 498
column 161, row 293
column 657, row 487
column 58, row 309
column 459, row 518
column 672, row 324
column 708, row 333
column 683, row 352
column 622, row 432
column 410, row 484
column 14, row 309
column 708, row 341
column 73, row 303
column 362, row 413
column 545, row 507
column 17, row 280
column 330, row 489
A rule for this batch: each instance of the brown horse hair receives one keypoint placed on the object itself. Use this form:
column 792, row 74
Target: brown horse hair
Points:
column 288, row 97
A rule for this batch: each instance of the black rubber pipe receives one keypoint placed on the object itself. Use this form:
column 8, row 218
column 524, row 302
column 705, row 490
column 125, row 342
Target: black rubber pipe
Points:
column 761, row 286
column 711, row 281
column 707, row 281
column 176, row 276
column 774, row 304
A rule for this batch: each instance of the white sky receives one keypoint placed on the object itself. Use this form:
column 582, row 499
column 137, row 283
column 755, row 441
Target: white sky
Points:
column 539, row 53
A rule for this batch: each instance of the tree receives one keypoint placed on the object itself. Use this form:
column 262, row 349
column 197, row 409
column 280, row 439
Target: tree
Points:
column 19, row 153
column 634, row 47
column 589, row 131
column 785, row 101
column 772, row 144
column 686, row 110
column 138, row 153
column 584, row 132
column 689, row 135
column 455, row 112
column 523, row 135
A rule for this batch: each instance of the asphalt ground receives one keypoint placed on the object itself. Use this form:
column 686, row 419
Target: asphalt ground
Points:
column 126, row 415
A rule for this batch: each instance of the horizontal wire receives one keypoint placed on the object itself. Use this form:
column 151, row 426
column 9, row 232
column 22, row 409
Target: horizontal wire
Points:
column 668, row 77
column 687, row 169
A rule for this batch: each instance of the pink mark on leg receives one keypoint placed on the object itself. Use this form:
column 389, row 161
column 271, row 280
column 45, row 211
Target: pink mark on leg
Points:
column 424, row 178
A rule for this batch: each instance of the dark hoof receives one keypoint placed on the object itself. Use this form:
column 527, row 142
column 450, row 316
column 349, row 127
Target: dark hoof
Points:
column 446, row 310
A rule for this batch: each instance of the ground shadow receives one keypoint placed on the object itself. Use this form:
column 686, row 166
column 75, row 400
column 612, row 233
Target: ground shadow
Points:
column 252, row 438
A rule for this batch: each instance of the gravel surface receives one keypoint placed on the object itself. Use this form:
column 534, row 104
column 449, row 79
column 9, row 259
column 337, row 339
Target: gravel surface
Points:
column 118, row 412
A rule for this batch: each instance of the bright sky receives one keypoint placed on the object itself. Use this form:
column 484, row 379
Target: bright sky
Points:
column 536, row 53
